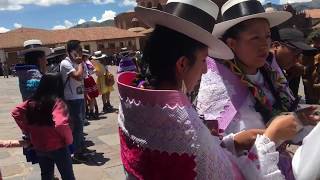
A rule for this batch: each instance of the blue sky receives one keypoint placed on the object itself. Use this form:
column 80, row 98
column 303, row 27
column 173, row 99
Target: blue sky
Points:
column 52, row 14
column 59, row 14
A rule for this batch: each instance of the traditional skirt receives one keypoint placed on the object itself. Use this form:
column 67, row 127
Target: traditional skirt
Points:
column 90, row 87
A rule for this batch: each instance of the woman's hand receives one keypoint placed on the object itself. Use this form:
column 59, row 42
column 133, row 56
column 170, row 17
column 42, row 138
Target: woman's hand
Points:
column 245, row 139
column 282, row 128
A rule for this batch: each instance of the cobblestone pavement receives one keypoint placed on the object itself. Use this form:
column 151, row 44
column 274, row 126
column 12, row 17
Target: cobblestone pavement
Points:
column 101, row 136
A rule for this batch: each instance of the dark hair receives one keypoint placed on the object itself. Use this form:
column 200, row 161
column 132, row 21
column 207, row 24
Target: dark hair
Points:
column 40, row 105
column 31, row 58
column 163, row 48
column 235, row 30
column 73, row 45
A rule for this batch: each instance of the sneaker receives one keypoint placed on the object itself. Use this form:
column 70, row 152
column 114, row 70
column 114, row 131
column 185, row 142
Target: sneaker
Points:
column 86, row 122
column 90, row 116
column 109, row 105
column 105, row 108
column 95, row 116
column 79, row 158
column 110, row 109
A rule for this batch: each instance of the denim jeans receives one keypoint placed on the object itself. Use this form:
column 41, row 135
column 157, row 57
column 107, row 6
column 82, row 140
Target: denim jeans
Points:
column 62, row 159
column 77, row 113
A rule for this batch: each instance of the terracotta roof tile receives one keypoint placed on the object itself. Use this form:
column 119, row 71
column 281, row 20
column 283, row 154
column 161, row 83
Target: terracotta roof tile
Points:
column 313, row 13
column 15, row 38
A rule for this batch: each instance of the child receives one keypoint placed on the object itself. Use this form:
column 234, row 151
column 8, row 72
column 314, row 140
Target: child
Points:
column 104, row 88
column 91, row 89
column 45, row 117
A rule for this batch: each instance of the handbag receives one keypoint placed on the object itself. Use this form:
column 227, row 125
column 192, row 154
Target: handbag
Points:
column 109, row 79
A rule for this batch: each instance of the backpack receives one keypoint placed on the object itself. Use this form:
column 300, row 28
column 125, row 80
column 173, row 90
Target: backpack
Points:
column 109, row 79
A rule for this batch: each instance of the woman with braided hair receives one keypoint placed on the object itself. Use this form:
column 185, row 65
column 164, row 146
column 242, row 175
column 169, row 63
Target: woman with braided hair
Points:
column 161, row 135
column 245, row 94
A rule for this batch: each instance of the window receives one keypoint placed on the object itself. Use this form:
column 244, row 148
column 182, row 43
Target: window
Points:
column 112, row 45
column 130, row 43
column 121, row 44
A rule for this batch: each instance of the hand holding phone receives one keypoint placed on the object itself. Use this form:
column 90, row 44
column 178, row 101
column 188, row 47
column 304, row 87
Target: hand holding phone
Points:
column 76, row 57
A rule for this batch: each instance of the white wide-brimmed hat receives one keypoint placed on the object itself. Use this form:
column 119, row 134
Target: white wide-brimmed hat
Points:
column 193, row 18
column 237, row 11
column 58, row 51
column 98, row 55
column 34, row 45
column 86, row 52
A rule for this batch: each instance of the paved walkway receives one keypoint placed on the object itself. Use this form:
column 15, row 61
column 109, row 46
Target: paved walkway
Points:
column 102, row 136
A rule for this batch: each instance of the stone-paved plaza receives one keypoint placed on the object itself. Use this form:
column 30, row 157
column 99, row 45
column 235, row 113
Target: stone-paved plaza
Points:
column 101, row 136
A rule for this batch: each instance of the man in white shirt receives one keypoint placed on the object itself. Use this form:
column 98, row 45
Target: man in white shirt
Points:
column 72, row 70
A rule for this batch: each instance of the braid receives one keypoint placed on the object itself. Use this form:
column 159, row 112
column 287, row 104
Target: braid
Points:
column 277, row 85
column 261, row 100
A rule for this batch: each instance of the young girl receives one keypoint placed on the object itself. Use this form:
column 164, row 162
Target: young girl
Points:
column 45, row 118
column 91, row 89
column 102, row 72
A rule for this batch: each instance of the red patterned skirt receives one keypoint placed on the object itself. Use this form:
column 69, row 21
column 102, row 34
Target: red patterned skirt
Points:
column 90, row 87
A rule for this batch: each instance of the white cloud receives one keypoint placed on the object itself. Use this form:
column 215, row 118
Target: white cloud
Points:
column 67, row 24
column 58, row 27
column 9, row 7
column 129, row 3
column 107, row 15
column 103, row 1
column 17, row 25
column 81, row 21
column 3, row 30
column 262, row 1
column 13, row 5
column 293, row 1
column 94, row 19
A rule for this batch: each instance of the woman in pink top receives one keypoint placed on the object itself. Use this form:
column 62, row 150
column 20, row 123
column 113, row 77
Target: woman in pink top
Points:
column 45, row 117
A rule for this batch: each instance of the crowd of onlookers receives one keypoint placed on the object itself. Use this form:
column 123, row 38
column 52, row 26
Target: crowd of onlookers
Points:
column 59, row 88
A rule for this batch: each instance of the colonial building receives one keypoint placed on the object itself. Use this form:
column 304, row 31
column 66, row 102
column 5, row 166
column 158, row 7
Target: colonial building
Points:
column 107, row 39
column 299, row 20
column 129, row 20
column 158, row 4
column 314, row 14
